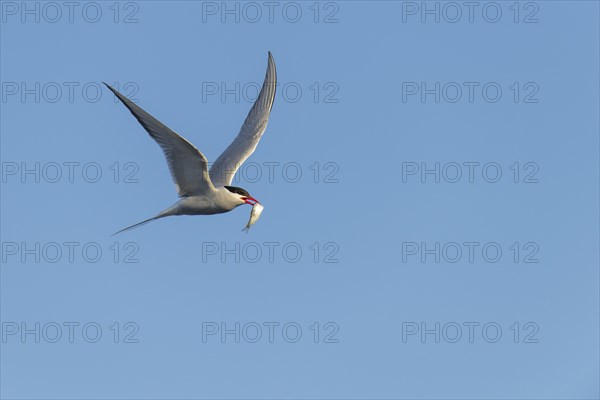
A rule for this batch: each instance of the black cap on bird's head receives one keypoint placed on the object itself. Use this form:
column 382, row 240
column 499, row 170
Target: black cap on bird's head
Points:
column 243, row 193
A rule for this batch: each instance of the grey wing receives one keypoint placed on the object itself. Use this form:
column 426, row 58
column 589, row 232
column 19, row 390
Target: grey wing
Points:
column 188, row 166
column 224, row 169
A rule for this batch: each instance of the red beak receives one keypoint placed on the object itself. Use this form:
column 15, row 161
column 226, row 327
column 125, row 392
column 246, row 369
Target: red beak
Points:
column 250, row 200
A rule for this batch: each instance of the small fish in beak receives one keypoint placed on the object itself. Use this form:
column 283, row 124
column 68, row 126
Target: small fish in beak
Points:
column 257, row 209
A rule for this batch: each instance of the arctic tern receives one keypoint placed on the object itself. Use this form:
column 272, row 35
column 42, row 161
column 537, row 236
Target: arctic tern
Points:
column 203, row 191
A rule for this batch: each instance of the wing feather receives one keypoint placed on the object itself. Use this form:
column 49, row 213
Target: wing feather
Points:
column 224, row 169
column 188, row 166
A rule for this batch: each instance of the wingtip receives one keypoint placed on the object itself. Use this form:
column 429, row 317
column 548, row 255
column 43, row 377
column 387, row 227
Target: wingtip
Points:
column 110, row 88
column 271, row 64
column 119, row 231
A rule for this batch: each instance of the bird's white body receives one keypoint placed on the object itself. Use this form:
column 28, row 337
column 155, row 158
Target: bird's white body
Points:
column 219, row 201
column 203, row 191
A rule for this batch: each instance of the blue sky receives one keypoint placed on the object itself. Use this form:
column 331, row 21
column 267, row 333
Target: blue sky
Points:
column 430, row 182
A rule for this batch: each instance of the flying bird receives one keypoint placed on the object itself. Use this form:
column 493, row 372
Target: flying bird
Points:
column 203, row 191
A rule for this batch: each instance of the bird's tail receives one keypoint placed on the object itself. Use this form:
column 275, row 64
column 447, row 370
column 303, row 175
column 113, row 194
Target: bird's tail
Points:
column 136, row 225
column 166, row 213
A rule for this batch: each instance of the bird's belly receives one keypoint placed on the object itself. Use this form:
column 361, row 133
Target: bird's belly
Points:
column 196, row 205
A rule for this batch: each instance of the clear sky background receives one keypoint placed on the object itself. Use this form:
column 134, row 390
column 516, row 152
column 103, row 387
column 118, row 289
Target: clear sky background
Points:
column 354, row 239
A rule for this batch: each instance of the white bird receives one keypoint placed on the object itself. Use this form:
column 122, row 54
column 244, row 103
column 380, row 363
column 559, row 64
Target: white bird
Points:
column 205, row 192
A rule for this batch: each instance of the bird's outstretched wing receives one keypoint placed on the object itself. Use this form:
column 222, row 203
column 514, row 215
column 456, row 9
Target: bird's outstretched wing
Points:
column 224, row 169
column 188, row 166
